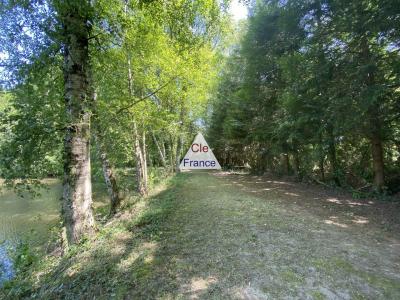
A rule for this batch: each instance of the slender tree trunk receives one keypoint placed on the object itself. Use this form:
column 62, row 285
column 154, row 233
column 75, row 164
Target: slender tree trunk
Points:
column 141, row 165
column 321, row 155
column 160, row 152
column 108, row 170
column 141, row 172
column 397, row 143
column 179, row 146
column 332, row 156
column 141, row 186
column 150, row 160
column 164, row 152
column 178, row 152
column 377, row 161
column 287, row 163
column 77, row 186
column 108, row 174
column 322, row 168
column 144, row 164
column 172, row 152
column 377, row 152
column 296, row 163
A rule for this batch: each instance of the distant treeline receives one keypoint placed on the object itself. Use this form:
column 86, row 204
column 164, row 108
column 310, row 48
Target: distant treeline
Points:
column 312, row 90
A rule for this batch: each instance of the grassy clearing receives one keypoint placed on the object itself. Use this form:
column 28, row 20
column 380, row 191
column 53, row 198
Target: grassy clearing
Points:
column 208, row 236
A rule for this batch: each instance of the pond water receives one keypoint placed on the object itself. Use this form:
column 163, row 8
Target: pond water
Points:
column 30, row 219
column 26, row 218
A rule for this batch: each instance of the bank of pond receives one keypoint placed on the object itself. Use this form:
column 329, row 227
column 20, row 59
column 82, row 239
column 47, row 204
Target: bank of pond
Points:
column 30, row 221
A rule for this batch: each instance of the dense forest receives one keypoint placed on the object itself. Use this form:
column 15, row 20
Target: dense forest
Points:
column 299, row 103
column 312, row 90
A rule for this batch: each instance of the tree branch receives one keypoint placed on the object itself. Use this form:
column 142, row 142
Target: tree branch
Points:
column 145, row 97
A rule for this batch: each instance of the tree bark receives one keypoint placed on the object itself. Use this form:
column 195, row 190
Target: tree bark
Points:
column 164, row 152
column 160, row 151
column 375, row 124
column 77, row 187
column 140, row 171
column 332, row 156
column 108, row 170
column 377, row 161
column 296, row 163
column 140, row 154
column 179, row 146
column 108, row 174
column 322, row 168
column 144, row 164
column 178, row 152
column 172, row 152
column 287, row 163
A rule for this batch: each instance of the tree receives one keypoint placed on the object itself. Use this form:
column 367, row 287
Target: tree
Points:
column 139, row 58
column 312, row 86
column 75, row 19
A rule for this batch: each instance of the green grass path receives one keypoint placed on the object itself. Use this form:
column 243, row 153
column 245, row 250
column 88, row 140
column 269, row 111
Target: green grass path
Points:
column 221, row 236
column 226, row 239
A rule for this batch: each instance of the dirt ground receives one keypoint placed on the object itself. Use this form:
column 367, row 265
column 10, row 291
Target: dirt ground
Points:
column 251, row 237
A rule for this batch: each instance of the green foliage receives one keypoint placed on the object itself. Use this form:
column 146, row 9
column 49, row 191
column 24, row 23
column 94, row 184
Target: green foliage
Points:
column 167, row 47
column 24, row 257
column 24, row 260
column 32, row 126
column 317, row 83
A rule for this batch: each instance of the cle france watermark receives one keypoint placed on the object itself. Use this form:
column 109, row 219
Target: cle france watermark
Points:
column 199, row 156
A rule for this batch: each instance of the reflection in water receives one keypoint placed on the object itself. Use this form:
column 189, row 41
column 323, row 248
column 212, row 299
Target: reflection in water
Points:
column 26, row 218
column 29, row 219
column 6, row 264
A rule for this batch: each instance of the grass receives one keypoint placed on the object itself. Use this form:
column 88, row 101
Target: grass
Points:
column 211, row 237
column 102, row 266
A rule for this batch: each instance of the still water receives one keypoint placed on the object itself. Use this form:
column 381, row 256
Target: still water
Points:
column 26, row 218
column 30, row 219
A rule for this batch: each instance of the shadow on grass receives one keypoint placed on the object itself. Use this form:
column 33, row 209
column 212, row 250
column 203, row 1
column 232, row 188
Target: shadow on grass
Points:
column 334, row 207
column 128, row 260
column 193, row 240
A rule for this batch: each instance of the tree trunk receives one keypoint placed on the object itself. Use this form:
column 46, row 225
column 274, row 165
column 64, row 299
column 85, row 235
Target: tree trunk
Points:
column 332, row 156
column 322, row 168
column 141, row 184
column 108, row 170
column 321, row 156
column 178, row 152
column 144, row 164
column 140, row 154
column 375, row 123
column 160, row 152
column 164, row 152
column 296, row 163
column 377, row 161
column 77, row 186
column 108, row 174
column 172, row 152
column 287, row 163
column 180, row 134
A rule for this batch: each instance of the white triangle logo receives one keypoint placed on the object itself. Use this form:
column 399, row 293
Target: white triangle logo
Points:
column 199, row 156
